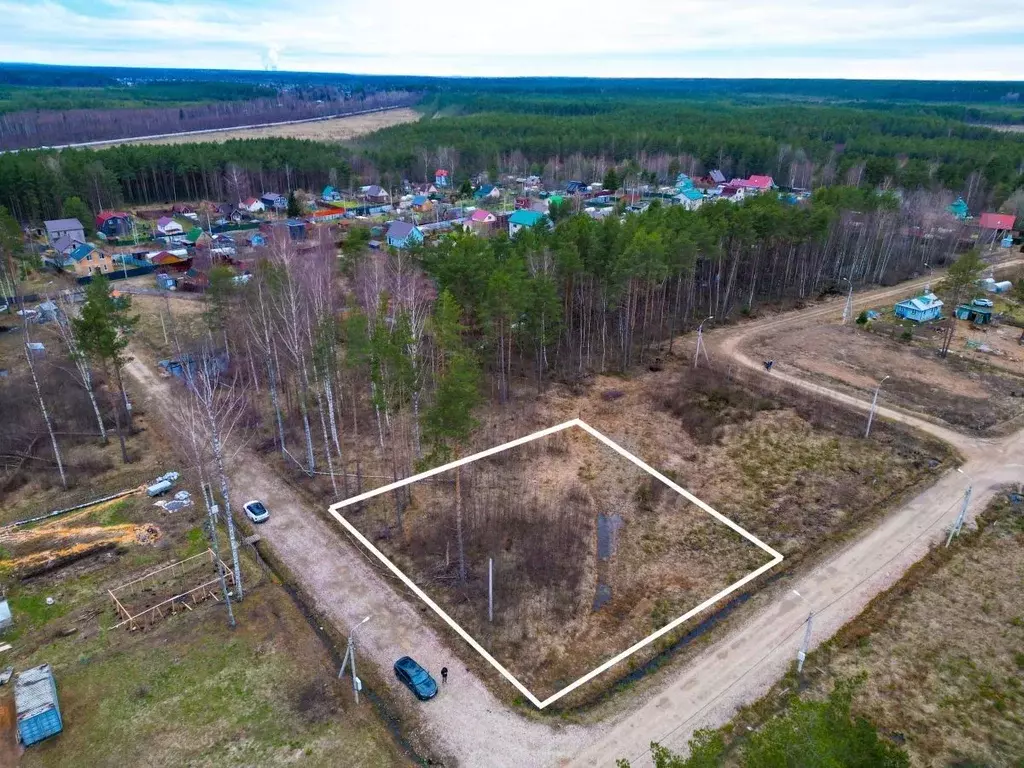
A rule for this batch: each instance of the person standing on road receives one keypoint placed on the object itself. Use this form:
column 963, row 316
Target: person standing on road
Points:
column 444, row 675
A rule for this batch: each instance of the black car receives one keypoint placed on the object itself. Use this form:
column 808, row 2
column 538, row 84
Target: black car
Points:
column 416, row 678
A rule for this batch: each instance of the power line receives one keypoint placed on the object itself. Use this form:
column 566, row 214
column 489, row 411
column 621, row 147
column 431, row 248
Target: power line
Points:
column 796, row 629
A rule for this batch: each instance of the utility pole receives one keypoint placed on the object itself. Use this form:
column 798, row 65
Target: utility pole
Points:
column 490, row 589
column 350, row 658
column 874, row 404
column 212, row 510
column 954, row 529
column 805, row 645
column 700, row 342
column 848, row 309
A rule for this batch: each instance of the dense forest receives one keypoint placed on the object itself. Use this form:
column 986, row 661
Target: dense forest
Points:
column 33, row 185
column 799, row 144
column 19, row 98
column 35, row 128
column 559, row 138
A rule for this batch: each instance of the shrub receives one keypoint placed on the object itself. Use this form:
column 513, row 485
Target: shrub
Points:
column 862, row 318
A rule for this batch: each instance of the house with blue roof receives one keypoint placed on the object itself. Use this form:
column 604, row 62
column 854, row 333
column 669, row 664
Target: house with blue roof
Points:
column 402, row 234
column 330, row 195
column 921, row 308
column 523, row 220
column 487, row 191
column 690, row 198
column 959, row 209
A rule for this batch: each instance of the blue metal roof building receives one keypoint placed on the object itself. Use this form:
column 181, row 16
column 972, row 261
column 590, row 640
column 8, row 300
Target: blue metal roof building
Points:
column 35, row 697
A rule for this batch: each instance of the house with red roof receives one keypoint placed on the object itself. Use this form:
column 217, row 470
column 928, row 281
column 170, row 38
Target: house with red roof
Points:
column 998, row 222
column 754, row 183
column 441, row 177
column 252, row 205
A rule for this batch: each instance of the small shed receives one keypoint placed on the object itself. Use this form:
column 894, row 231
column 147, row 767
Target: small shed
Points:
column 35, row 698
column 975, row 314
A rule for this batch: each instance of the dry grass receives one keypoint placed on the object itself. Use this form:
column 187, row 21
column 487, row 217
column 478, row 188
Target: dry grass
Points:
column 795, row 473
column 535, row 509
column 966, row 390
column 337, row 129
column 941, row 651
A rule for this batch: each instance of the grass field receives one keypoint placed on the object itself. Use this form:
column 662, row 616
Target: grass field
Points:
column 941, row 652
column 337, row 129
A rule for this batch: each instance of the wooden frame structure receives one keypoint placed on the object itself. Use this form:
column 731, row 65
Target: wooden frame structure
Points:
column 182, row 601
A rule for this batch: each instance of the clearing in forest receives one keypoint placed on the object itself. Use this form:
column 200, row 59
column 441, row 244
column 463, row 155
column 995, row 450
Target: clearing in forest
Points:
column 592, row 553
column 971, row 389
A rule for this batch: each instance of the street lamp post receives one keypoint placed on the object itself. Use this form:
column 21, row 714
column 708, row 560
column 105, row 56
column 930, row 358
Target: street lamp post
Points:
column 874, row 404
column 350, row 659
column 954, row 530
column 700, row 342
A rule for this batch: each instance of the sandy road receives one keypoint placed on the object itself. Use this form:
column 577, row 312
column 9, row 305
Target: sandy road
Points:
column 743, row 664
column 467, row 726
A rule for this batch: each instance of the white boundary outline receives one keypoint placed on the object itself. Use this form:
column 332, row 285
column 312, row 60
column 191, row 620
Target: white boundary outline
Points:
column 334, row 510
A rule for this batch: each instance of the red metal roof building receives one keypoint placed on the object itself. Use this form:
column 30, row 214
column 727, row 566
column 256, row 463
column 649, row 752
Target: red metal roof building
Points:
column 997, row 221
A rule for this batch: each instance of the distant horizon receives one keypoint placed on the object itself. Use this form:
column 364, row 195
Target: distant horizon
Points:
column 913, row 40
column 596, row 78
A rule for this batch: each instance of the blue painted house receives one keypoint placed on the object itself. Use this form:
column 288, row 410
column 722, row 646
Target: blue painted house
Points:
column 329, row 195
column 402, row 234
column 921, row 308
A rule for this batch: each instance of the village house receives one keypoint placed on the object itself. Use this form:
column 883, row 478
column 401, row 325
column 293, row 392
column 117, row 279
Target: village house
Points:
column 252, row 205
column 441, row 177
column 422, row 203
column 523, row 219
column 402, row 234
column 690, row 198
column 114, row 223
column 479, row 221
column 375, row 194
column 197, row 237
column 715, row 178
column 920, row 309
column 273, row 201
column 87, row 258
column 69, row 228
column 487, row 192
column 996, row 225
column 330, row 195
column 168, row 227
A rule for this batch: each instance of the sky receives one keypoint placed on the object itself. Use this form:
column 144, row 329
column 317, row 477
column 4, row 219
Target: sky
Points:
column 888, row 39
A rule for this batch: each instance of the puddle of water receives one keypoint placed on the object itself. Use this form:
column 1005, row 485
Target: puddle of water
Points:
column 607, row 527
column 603, row 595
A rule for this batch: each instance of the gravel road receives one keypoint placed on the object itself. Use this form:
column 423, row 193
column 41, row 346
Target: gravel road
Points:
column 467, row 726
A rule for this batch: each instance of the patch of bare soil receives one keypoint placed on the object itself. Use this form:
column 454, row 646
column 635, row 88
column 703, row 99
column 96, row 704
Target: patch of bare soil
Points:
column 337, row 129
column 965, row 390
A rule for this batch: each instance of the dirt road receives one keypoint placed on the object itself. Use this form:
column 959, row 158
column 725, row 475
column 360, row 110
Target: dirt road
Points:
column 743, row 664
column 467, row 726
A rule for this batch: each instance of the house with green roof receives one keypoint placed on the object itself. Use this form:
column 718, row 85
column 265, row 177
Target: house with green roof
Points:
column 523, row 219
column 196, row 236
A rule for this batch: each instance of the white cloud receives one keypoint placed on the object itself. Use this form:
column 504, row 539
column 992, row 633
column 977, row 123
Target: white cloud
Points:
column 931, row 39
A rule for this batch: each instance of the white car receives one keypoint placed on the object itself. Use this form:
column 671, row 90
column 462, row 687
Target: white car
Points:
column 256, row 511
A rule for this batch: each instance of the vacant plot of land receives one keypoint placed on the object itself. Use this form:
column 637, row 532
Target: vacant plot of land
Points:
column 590, row 553
column 336, row 129
column 965, row 390
column 941, row 652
